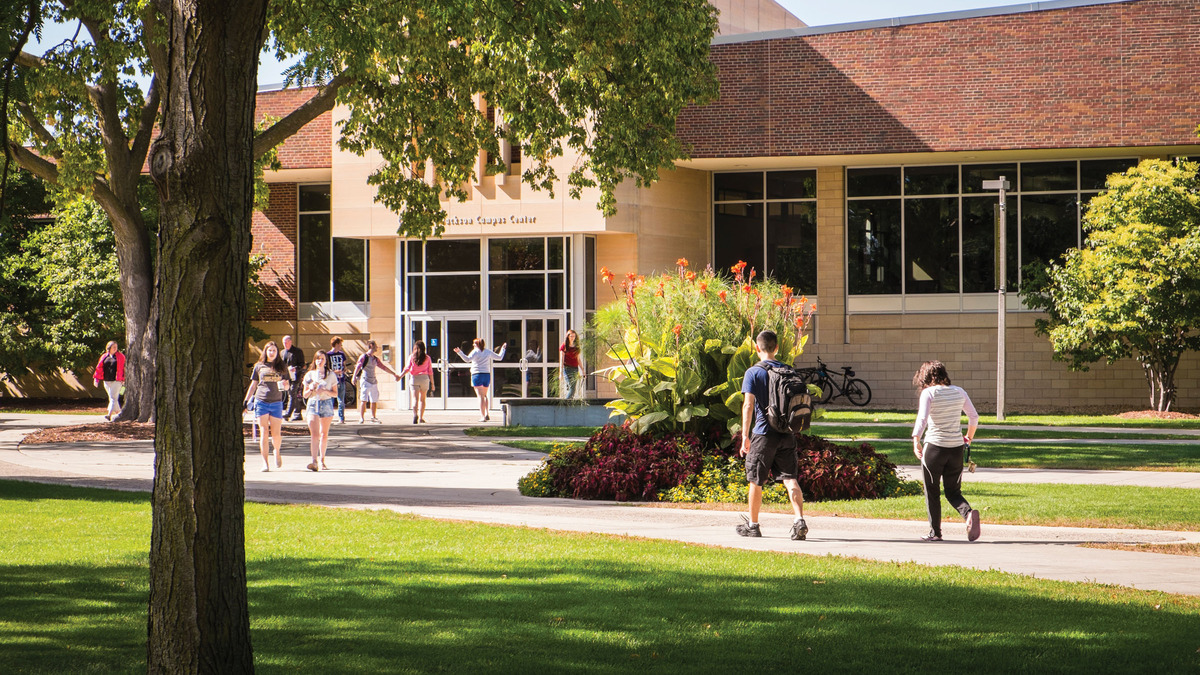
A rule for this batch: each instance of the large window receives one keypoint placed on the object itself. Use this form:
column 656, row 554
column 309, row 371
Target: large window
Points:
column 932, row 229
column 331, row 269
column 769, row 220
column 526, row 273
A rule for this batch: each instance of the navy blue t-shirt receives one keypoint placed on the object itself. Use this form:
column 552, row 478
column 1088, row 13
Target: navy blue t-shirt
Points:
column 755, row 382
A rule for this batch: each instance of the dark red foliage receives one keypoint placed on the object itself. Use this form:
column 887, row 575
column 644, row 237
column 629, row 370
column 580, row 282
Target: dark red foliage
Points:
column 830, row 471
column 620, row 465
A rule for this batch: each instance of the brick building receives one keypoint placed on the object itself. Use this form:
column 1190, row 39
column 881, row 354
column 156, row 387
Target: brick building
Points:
column 847, row 159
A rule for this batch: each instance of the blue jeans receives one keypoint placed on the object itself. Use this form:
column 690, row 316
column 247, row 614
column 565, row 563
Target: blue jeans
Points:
column 341, row 400
column 571, row 375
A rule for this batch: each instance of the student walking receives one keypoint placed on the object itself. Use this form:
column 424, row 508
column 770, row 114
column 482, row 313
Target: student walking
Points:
column 368, row 385
column 481, row 371
column 268, row 382
column 572, row 371
column 764, row 448
column 939, row 419
column 111, row 371
column 420, row 367
column 337, row 363
column 293, row 358
column 320, row 390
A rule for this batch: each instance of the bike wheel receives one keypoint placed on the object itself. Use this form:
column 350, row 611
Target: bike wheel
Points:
column 858, row 392
column 826, row 389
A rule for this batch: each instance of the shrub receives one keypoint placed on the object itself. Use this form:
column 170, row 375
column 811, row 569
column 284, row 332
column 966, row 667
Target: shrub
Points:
column 827, row 472
column 616, row 464
column 681, row 343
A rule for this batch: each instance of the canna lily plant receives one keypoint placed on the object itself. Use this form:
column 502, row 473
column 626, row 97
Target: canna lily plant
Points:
column 681, row 342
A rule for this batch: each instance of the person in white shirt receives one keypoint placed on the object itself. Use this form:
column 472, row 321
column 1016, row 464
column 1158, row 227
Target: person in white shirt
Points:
column 481, row 371
column 320, row 390
column 939, row 420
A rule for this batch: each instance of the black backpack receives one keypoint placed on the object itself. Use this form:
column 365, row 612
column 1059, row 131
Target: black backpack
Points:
column 789, row 405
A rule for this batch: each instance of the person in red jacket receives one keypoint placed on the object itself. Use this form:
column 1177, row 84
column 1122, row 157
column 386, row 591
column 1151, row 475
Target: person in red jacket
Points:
column 111, row 371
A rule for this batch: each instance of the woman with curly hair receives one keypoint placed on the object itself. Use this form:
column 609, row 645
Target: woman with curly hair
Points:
column 939, row 420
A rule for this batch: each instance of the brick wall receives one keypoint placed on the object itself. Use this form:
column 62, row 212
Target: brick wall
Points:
column 273, row 233
column 312, row 146
column 1115, row 75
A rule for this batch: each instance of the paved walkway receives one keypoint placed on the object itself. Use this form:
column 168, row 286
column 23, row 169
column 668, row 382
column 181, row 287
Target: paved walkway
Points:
column 436, row 471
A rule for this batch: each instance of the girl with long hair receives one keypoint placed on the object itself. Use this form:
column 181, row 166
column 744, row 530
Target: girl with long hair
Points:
column 320, row 389
column 420, row 367
column 572, row 371
column 111, row 371
column 268, row 382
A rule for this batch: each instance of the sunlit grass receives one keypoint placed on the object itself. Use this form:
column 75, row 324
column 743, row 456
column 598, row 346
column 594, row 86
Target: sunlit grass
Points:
column 1130, row 456
column 349, row 591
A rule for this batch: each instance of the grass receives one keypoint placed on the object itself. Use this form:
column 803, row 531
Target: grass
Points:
column 1169, row 549
column 1055, row 505
column 1111, row 456
column 361, row 592
column 532, row 432
column 905, row 432
column 906, row 417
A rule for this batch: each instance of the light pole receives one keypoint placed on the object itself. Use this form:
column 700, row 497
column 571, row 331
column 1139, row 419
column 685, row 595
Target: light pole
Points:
column 1001, row 284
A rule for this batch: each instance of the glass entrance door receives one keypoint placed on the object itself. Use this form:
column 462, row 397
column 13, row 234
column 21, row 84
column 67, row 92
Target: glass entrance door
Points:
column 530, row 365
column 452, row 375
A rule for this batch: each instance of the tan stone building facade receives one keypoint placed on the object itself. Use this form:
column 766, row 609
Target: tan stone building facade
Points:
column 848, row 160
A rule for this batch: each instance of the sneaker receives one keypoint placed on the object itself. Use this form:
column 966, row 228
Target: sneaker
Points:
column 799, row 530
column 376, row 420
column 932, row 537
column 748, row 529
column 972, row 525
column 482, row 419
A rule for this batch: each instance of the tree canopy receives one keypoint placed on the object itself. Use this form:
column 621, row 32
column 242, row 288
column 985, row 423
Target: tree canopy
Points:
column 1133, row 290
column 604, row 79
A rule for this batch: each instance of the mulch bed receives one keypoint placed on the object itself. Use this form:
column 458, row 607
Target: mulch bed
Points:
column 1156, row 415
column 120, row 431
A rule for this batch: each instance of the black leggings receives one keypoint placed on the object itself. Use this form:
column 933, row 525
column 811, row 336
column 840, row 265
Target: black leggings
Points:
column 945, row 465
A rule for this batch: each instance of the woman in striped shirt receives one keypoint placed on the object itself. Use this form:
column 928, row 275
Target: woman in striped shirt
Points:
column 939, row 419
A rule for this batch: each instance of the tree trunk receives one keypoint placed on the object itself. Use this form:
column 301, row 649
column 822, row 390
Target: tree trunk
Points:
column 202, row 164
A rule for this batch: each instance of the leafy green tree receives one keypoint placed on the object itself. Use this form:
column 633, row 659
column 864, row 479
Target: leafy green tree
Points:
column 604, row 79
column 70, row 266
column 1133, row 290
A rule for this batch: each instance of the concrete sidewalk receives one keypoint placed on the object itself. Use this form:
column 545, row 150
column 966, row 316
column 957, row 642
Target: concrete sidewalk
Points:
column 435, row 471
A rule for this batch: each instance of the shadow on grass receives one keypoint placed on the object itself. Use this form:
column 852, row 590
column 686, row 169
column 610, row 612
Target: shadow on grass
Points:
column 362, row 592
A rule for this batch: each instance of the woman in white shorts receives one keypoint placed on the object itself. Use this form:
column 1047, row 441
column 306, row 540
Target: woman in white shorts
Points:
column 320, row 389
column 368, row 385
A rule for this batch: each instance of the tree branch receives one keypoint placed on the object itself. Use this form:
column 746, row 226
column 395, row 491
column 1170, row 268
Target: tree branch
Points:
column 141, row 142
column 35, row 124
column 295, row 120
column 34, row 163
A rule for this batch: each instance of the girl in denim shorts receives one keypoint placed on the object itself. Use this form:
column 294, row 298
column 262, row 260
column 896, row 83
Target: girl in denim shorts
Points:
column 320, row 389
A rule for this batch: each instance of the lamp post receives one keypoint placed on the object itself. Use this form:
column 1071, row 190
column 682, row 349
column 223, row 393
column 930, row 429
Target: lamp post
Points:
column 1001, row 284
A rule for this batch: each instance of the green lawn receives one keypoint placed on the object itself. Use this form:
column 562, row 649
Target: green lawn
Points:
column 1057, row 505
column 906, row 417
column 335, row 590
column 829, row 430
column 532, row 432
column 1113, row 456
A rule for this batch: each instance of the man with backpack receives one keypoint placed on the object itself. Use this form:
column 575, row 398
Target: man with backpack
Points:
column 764, row 447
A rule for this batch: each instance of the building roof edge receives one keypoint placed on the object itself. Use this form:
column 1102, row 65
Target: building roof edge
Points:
column 911, row 20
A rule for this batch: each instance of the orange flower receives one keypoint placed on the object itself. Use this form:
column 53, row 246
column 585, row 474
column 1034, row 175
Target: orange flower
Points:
column 752, row 273
column 703, row 286
column 677, row 330
column 690, row 276
column 799, row 323
column 737, row 269
column 746, row 288
column 721, row 295
column 779, row 302
column 606, row 275
column 682, row 262
column 786, row 290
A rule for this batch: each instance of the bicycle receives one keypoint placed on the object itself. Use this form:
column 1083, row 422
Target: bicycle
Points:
column 855, row 390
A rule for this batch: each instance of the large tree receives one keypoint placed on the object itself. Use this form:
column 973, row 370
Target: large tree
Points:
column 605, row 79
column 1133, row 290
